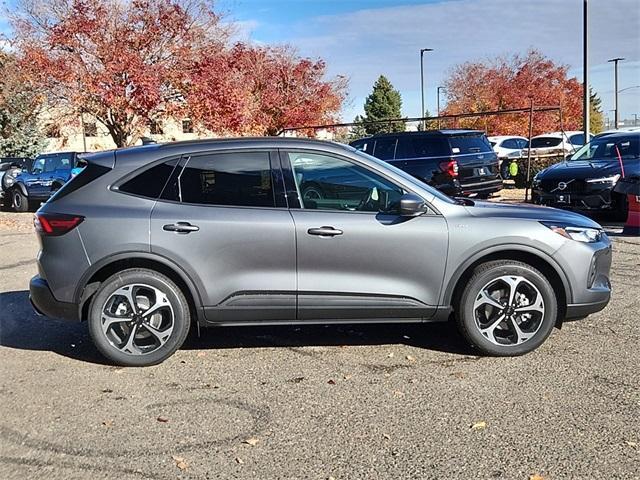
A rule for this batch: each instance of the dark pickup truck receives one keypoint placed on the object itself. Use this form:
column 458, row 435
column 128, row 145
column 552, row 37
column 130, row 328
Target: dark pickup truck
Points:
column 456, row 162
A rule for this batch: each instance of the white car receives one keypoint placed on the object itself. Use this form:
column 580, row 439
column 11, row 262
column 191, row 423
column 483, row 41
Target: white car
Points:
column 507, row 145
column 556, row 143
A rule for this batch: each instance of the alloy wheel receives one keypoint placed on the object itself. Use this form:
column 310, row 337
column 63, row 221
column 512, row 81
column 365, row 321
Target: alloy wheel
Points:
column 509, row 310
column 137, row 319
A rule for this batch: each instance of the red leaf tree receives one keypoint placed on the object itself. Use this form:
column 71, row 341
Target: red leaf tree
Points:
column 134, row 61
column 510, row 82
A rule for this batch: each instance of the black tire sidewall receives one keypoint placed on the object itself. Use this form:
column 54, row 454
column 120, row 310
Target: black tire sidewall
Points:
column 466, row 317
column 182, row 317
column 24, row 201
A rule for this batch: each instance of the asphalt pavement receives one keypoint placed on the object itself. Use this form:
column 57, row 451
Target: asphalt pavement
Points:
column 315, row 402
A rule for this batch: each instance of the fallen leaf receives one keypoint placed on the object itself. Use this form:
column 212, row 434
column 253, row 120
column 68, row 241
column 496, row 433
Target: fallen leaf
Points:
column 297, row 380
column 479, row 425
column 632, row 444
column 201, row 354
column 239, row 460
column 411, row 358
column 347, row 377
column 107, row 423
column 251, row 441
column 398, row 393
column 162, row 419
column 390, row 355
column 107, row 390
column 535, row 476
column 180, row 463
column 386, row 436
column 459, row 375
column 331, row 382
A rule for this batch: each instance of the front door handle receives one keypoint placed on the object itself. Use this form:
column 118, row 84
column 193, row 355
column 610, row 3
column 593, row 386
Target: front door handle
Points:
column 324, row 231
column 181, row 227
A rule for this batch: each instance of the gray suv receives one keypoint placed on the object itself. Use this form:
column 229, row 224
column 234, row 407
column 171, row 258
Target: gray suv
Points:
column 149, row 240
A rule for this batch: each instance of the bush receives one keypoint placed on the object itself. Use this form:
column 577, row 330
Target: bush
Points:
column 537, row 164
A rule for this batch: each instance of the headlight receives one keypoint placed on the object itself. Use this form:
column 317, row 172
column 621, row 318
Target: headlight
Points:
column 9, row 180
column 611, row 179
column 579, row 234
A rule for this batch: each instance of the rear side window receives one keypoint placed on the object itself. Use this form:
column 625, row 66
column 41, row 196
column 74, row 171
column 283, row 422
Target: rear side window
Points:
column 542, row 142
column 385, row 148
column 466, row 144
column 150, row 182
column 235, row 179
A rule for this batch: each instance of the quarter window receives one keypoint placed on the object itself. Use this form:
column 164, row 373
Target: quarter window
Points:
column 150, row 182
column 329, row 183
column 235, row 179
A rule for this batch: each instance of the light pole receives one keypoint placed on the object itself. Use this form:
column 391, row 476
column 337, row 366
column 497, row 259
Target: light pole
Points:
column 439, row 88
column 615, row 90
column 586, row 108
column 422, row 50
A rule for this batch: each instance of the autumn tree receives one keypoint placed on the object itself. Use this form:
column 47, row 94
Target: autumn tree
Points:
column 384, row 102
column 130, row 62
column 20, row 106
column 510, row 82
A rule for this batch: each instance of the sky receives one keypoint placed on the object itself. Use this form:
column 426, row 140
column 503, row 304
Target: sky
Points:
column 363, row 39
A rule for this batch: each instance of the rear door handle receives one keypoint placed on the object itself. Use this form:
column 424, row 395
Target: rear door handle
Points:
column 324, row 231
column 181, row 227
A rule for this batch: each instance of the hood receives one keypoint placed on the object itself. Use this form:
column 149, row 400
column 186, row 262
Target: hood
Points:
column 530, row 212
column 580, row 170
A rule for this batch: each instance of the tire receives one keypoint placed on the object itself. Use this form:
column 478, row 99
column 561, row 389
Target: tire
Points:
column 19, row 201
column 534, row 296
column 150, row 289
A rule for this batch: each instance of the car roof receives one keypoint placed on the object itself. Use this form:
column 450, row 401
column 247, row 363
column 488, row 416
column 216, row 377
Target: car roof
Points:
column 504, row 137
column 435, row 133
column 616, row 134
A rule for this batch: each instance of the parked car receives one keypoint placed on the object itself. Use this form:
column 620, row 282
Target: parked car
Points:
column 456, row 162
column 555, row 143
column 619, row 130
column 586, row 180
column 10, row 167
column 47, row 174
column 146, row 240
column 507, row 147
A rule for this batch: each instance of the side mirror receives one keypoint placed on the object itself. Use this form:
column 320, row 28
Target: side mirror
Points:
column 5, row 166
column 412, row 205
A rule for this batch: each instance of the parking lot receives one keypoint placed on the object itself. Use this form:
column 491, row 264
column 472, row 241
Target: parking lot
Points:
column 319, row 402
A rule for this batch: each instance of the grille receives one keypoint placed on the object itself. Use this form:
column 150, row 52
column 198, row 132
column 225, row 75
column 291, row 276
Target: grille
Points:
column 551, row 186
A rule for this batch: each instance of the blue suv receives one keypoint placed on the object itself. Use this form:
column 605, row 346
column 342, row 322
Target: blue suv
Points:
column 47, row 174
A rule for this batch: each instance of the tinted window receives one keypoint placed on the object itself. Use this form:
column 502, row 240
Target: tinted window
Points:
column 522, row 143
column 510, row 143
column 577, row 139
column 238, row 179
column 423, row 146
column 385, row 148
column 150, row 182
column 330, row 183
column 38, row 165
column 469, row 144
column 542, row 142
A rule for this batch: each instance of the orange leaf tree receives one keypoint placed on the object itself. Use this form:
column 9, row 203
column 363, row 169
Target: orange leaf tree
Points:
column 510, row 82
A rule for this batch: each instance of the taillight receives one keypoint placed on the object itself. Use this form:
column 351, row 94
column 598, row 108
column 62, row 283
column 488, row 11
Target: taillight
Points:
column 450, row 168
column 55, row 224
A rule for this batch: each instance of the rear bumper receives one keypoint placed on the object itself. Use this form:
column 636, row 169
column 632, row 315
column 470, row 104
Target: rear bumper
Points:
column 45, row 303
column 488, row 186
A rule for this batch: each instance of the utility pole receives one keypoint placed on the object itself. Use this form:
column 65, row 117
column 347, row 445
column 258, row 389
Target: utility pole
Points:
column 586, row 108
column 439, row 88
column 615, row 90
column 422, row 50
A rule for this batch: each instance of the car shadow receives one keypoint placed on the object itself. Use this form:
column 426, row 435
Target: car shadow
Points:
column 22, row 329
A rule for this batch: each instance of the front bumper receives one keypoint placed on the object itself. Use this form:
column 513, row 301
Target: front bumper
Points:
column 44, row 303
column 594, row 200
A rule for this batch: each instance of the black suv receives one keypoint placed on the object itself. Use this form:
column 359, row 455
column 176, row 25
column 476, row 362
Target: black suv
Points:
column 586, row 180
column 456, row 162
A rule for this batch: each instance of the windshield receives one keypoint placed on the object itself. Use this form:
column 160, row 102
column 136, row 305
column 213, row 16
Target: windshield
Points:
column 609, row 148
column 544, row 142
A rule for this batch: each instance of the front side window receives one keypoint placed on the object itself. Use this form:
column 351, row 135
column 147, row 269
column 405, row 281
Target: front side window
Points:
column 328, row 183
column 38, row 166
column 235, row 179
column 577, row 139
column 385, row 148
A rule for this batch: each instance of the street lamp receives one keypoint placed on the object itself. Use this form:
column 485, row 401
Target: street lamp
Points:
column 422, row 50
column 615, row 89
column 586, row 108
column 439, row 88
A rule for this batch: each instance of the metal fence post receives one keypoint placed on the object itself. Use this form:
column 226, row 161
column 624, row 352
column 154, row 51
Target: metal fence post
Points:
column 526, row 188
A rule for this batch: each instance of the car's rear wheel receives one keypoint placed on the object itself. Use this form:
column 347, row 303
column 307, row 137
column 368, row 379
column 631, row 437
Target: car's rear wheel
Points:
column 19, row 201
column 507, row 308
column 138, row 317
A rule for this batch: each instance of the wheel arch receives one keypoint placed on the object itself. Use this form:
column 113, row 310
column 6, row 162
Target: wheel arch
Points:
column 100, row 271
column 537, row 259
column 20, row 186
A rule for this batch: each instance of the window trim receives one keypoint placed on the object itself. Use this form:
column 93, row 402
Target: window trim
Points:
column 291, row 187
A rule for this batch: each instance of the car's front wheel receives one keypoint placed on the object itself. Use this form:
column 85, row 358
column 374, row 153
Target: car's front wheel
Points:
column 138, row 317
column 19, row 201
column 507, row 308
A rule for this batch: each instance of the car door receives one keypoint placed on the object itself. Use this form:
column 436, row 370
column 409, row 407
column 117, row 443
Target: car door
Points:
column 222, row 217
column 357, row 259
column 34, row 180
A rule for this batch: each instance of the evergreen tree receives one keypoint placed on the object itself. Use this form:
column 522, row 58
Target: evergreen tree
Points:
column 596, row 117
column 383, row 103
column 358, row 131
